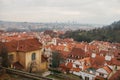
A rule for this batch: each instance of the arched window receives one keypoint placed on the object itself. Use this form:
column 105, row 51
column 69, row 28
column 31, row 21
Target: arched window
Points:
column 33, row 56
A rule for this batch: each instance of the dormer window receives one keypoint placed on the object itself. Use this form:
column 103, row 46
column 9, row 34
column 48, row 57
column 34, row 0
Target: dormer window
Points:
column 101, row 74
column 82, row 57
column 71, row 55
column 77, row 66
column 77, row 57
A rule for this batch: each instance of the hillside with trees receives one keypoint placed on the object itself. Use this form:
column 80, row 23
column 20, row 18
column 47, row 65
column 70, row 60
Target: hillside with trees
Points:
column 109, row 33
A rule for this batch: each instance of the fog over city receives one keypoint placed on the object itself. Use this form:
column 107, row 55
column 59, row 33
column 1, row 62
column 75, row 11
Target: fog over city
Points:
column 82, row 11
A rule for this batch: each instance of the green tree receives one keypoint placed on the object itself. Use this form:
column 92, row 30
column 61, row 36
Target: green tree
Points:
column 106, row 33
column 4, row 55
column 56, row 58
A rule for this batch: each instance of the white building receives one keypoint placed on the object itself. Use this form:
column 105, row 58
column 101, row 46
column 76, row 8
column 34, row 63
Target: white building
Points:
column 103, row 72
column 85, row 75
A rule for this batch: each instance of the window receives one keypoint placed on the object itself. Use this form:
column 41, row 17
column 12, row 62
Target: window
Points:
column 86, row 78
column 10, row 57
column 77, row 66
column 50, row 65
column 68, row 60
column 77, row 57
column 101, row 74
column 115, row 67
column 82, row 57
column 33, row 56
column 71, row 55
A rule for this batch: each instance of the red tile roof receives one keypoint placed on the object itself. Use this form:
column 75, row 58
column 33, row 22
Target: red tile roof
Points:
column 115, row 76
column 115, row 62
column 60, row 47
column 76, row 69
column 98, row 61
column 64, row 54
column 107, row 69
column 77, row 52
column 69, row 65
column 23, row 45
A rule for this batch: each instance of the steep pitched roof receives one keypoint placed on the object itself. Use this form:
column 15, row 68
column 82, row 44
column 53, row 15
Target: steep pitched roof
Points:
column 77, row 52
column 98, row 61
column 11, row 46
column 69, row 65
column 114, row 61
column 76, row 69
column 64, row 54
column 23, row 45
column 115, row 76
column 60, row 47
column 107, row 69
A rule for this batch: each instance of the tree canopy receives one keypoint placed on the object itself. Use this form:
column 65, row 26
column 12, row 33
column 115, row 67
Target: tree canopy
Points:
column 4, row 55
column 56, row 58
column 106, row 33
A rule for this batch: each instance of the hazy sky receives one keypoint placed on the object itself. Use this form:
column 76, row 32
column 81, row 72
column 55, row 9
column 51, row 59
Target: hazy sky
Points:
column 83, row 11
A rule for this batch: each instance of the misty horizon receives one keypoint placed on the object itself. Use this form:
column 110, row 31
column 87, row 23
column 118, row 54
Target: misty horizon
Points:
column 85, row 12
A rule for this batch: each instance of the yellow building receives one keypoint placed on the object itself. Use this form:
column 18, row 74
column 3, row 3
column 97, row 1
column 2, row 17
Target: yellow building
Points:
column 26, row 54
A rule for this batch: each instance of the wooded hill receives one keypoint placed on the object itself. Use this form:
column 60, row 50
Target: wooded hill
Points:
column 109, row 33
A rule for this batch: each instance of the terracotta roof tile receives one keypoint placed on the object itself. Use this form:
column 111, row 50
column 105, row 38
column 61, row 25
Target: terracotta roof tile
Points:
column 98, row 61
column 115, row 76
column 77, row 52
column 64, row 54
column 69, row 65
column 107, row 69
column 115, row 62
column 23, row 45
column 76, row 69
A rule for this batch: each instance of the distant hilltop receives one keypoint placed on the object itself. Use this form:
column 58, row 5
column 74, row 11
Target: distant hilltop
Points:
column 30, row 26
column 109, row 33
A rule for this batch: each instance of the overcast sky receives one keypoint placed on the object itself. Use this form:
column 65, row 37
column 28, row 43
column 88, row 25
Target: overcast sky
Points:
column 82, row 11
